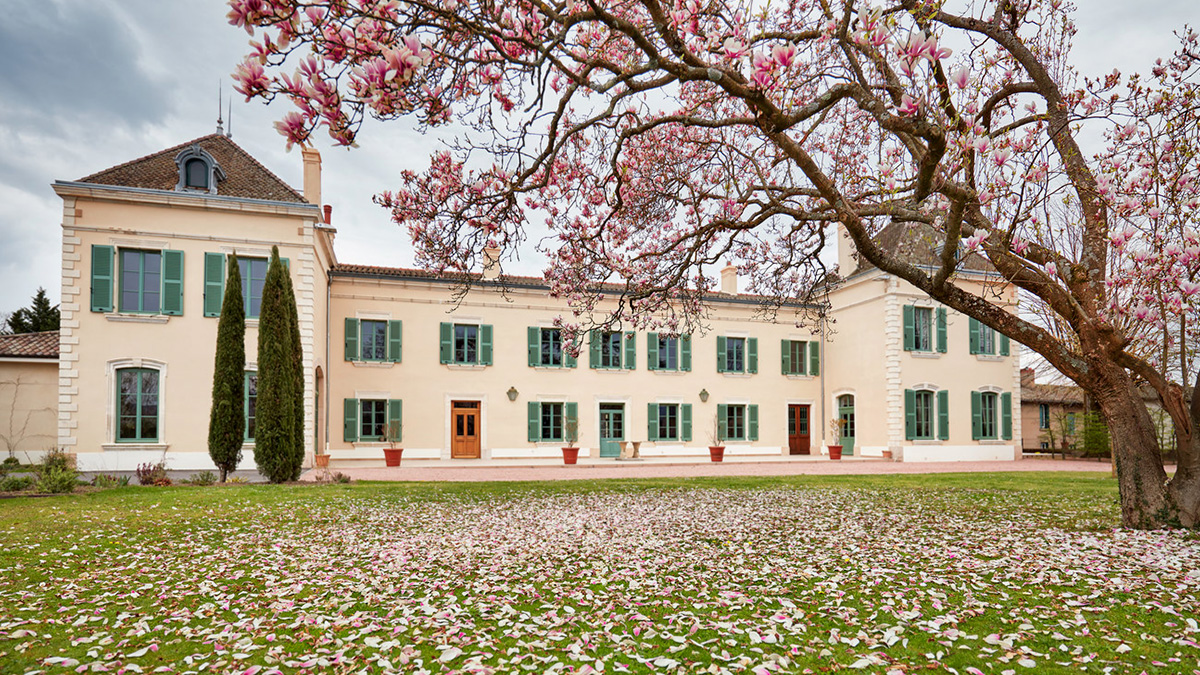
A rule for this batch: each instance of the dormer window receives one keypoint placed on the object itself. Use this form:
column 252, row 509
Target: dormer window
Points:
column 198, row 171
column 197, row 174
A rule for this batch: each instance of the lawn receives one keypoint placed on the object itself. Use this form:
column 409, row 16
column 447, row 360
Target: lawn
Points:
column 968, row 573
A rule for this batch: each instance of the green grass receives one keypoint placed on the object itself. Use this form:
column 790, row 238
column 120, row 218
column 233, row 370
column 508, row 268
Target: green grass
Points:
column 883, row 573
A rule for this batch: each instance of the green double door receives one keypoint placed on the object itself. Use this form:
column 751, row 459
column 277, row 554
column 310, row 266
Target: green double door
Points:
column 612, row 429
column 846, row 414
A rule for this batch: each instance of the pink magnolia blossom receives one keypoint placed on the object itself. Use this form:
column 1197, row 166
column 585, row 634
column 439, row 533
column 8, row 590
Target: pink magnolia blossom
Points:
column 909, row 107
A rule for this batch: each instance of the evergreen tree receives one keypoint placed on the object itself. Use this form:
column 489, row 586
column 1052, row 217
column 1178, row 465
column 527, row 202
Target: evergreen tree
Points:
column 38, row 316
column 227, row 422
column 275, row 421
column 297, row 367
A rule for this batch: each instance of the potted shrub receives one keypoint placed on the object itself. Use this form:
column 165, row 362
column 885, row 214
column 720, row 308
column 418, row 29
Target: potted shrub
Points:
column 321, row 460
column 716, row 451
column 835, row 429
column 570, row 436
column 391, row 454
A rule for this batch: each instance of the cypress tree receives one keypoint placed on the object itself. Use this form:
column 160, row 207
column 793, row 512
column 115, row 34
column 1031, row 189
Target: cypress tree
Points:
column 274, row 431
column 226, row 422
column 297, row 366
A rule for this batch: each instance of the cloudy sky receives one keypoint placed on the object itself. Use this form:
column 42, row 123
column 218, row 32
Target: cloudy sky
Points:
column 86, row 84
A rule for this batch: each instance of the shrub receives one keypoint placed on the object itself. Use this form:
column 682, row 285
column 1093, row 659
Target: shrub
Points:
column 202, row 478
column 104, row 480
column 15, row 483
column 57, row 458
column 336, row 477
column 10, row 463
column 226, row 426
column 153, row 474
column 57, row 480
column 239, row 480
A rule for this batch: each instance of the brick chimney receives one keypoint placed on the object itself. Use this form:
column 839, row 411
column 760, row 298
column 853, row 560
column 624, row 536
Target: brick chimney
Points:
column 729, row 279
column 312, row 175
column 491, row 263
column 1027, row 377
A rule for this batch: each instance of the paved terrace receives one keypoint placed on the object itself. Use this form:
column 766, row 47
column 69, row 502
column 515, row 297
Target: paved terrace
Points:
column 590, row 468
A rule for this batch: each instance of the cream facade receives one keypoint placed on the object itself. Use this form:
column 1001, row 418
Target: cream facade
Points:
column 28, row 416
column 392, row 358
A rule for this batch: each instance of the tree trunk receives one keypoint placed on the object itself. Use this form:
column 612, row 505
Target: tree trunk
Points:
column 1145, row 503
column 223, row 473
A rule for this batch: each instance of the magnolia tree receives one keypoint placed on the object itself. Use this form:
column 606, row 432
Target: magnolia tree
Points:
column 657, row 137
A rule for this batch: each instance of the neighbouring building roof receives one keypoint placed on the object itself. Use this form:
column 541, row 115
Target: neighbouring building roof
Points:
column 1063, row 394
column 244, row 175
column 42, row 345
column 918, row 244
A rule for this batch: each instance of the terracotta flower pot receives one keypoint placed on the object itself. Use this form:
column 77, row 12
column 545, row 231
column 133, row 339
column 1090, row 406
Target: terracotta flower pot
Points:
column 392, row 456
column 835, row 452
column 716, row 453
column 887, row 454
column 570, row 455
column 321, row 461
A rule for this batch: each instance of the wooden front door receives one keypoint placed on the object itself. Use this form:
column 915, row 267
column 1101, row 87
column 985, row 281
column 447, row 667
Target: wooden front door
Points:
column 798, row 430
column 612, row 429
column 464, row 430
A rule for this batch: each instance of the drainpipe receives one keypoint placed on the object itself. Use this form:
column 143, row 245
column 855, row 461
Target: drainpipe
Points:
column 824, row 370
column 328, row 370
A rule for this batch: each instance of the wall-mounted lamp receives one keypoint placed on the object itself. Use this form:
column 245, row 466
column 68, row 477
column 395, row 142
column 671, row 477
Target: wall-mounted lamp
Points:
column 704, row 396
column 512, row 393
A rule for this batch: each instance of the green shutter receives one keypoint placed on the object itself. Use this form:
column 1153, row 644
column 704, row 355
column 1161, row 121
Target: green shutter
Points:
column 630, row 350
column 752, row 416
column 685, row 414
column 447, row 341
column 214, row 284
column 535, row 421
column 534, row 334
column 722, row 423
column 395, row 335
column 943, row 404
column 1006, row 416
column 594, row 349
column 652, row 421
column 350, row 431
column 976, row 415
column 571, row 418
column 172, row 283
column 485, row 345
column 721, row 347
column 652, row 352
column 685, row 352
column 974, row 335
column 910, row 414
column 352, row 353
column 1004, row 345
column 814, row 359
column 103, row 259
column 909, row 330
column 568, row 357
column 785, row 348
column 395, row 419
column 941, row 330
column 752, row 355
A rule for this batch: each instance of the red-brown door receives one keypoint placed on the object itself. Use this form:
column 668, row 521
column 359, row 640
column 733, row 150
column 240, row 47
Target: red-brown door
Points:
column 798, row 430
column 464, row 429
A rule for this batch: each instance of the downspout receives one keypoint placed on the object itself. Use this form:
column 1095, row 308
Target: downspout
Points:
column 328, row 370
column 824, row 363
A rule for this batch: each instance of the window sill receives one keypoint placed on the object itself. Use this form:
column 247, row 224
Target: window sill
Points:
column 138, row 318
column 799, row 376
column 611, row 369
column 925, row 355
column 926, row 441
column 375, row 444
column 990, row 357
column 993, row 441
column 464, row 366
column 657, row 371
column 372, row 364
column 552, row 368
column 110, row 447
column 737, row 375
column 252, row 323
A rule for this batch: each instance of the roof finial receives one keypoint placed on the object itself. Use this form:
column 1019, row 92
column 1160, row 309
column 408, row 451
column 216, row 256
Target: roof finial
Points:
column 220, row 122
column 229, row 106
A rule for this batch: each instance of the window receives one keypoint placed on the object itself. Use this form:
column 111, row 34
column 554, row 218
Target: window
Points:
column 926, row 414
column 924, row 329
column 735, row 355
column 553, row 421
column 987, row 413
column 141, row 281
column 137, row 405
column 196, row 170
column 1043, row 415
column 986, row 341
column 610, row 350
column 668, row 422
column 1070, row 423
column 923, row 412
column 1045, row 445
column 373, row 420
column 794, row 357
column 374, row 338
column 737, row 422
column 251, row 389
column 254, row 277
column 991, row 415
column 466, row 344
column 668, row 353
column 551, row 347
